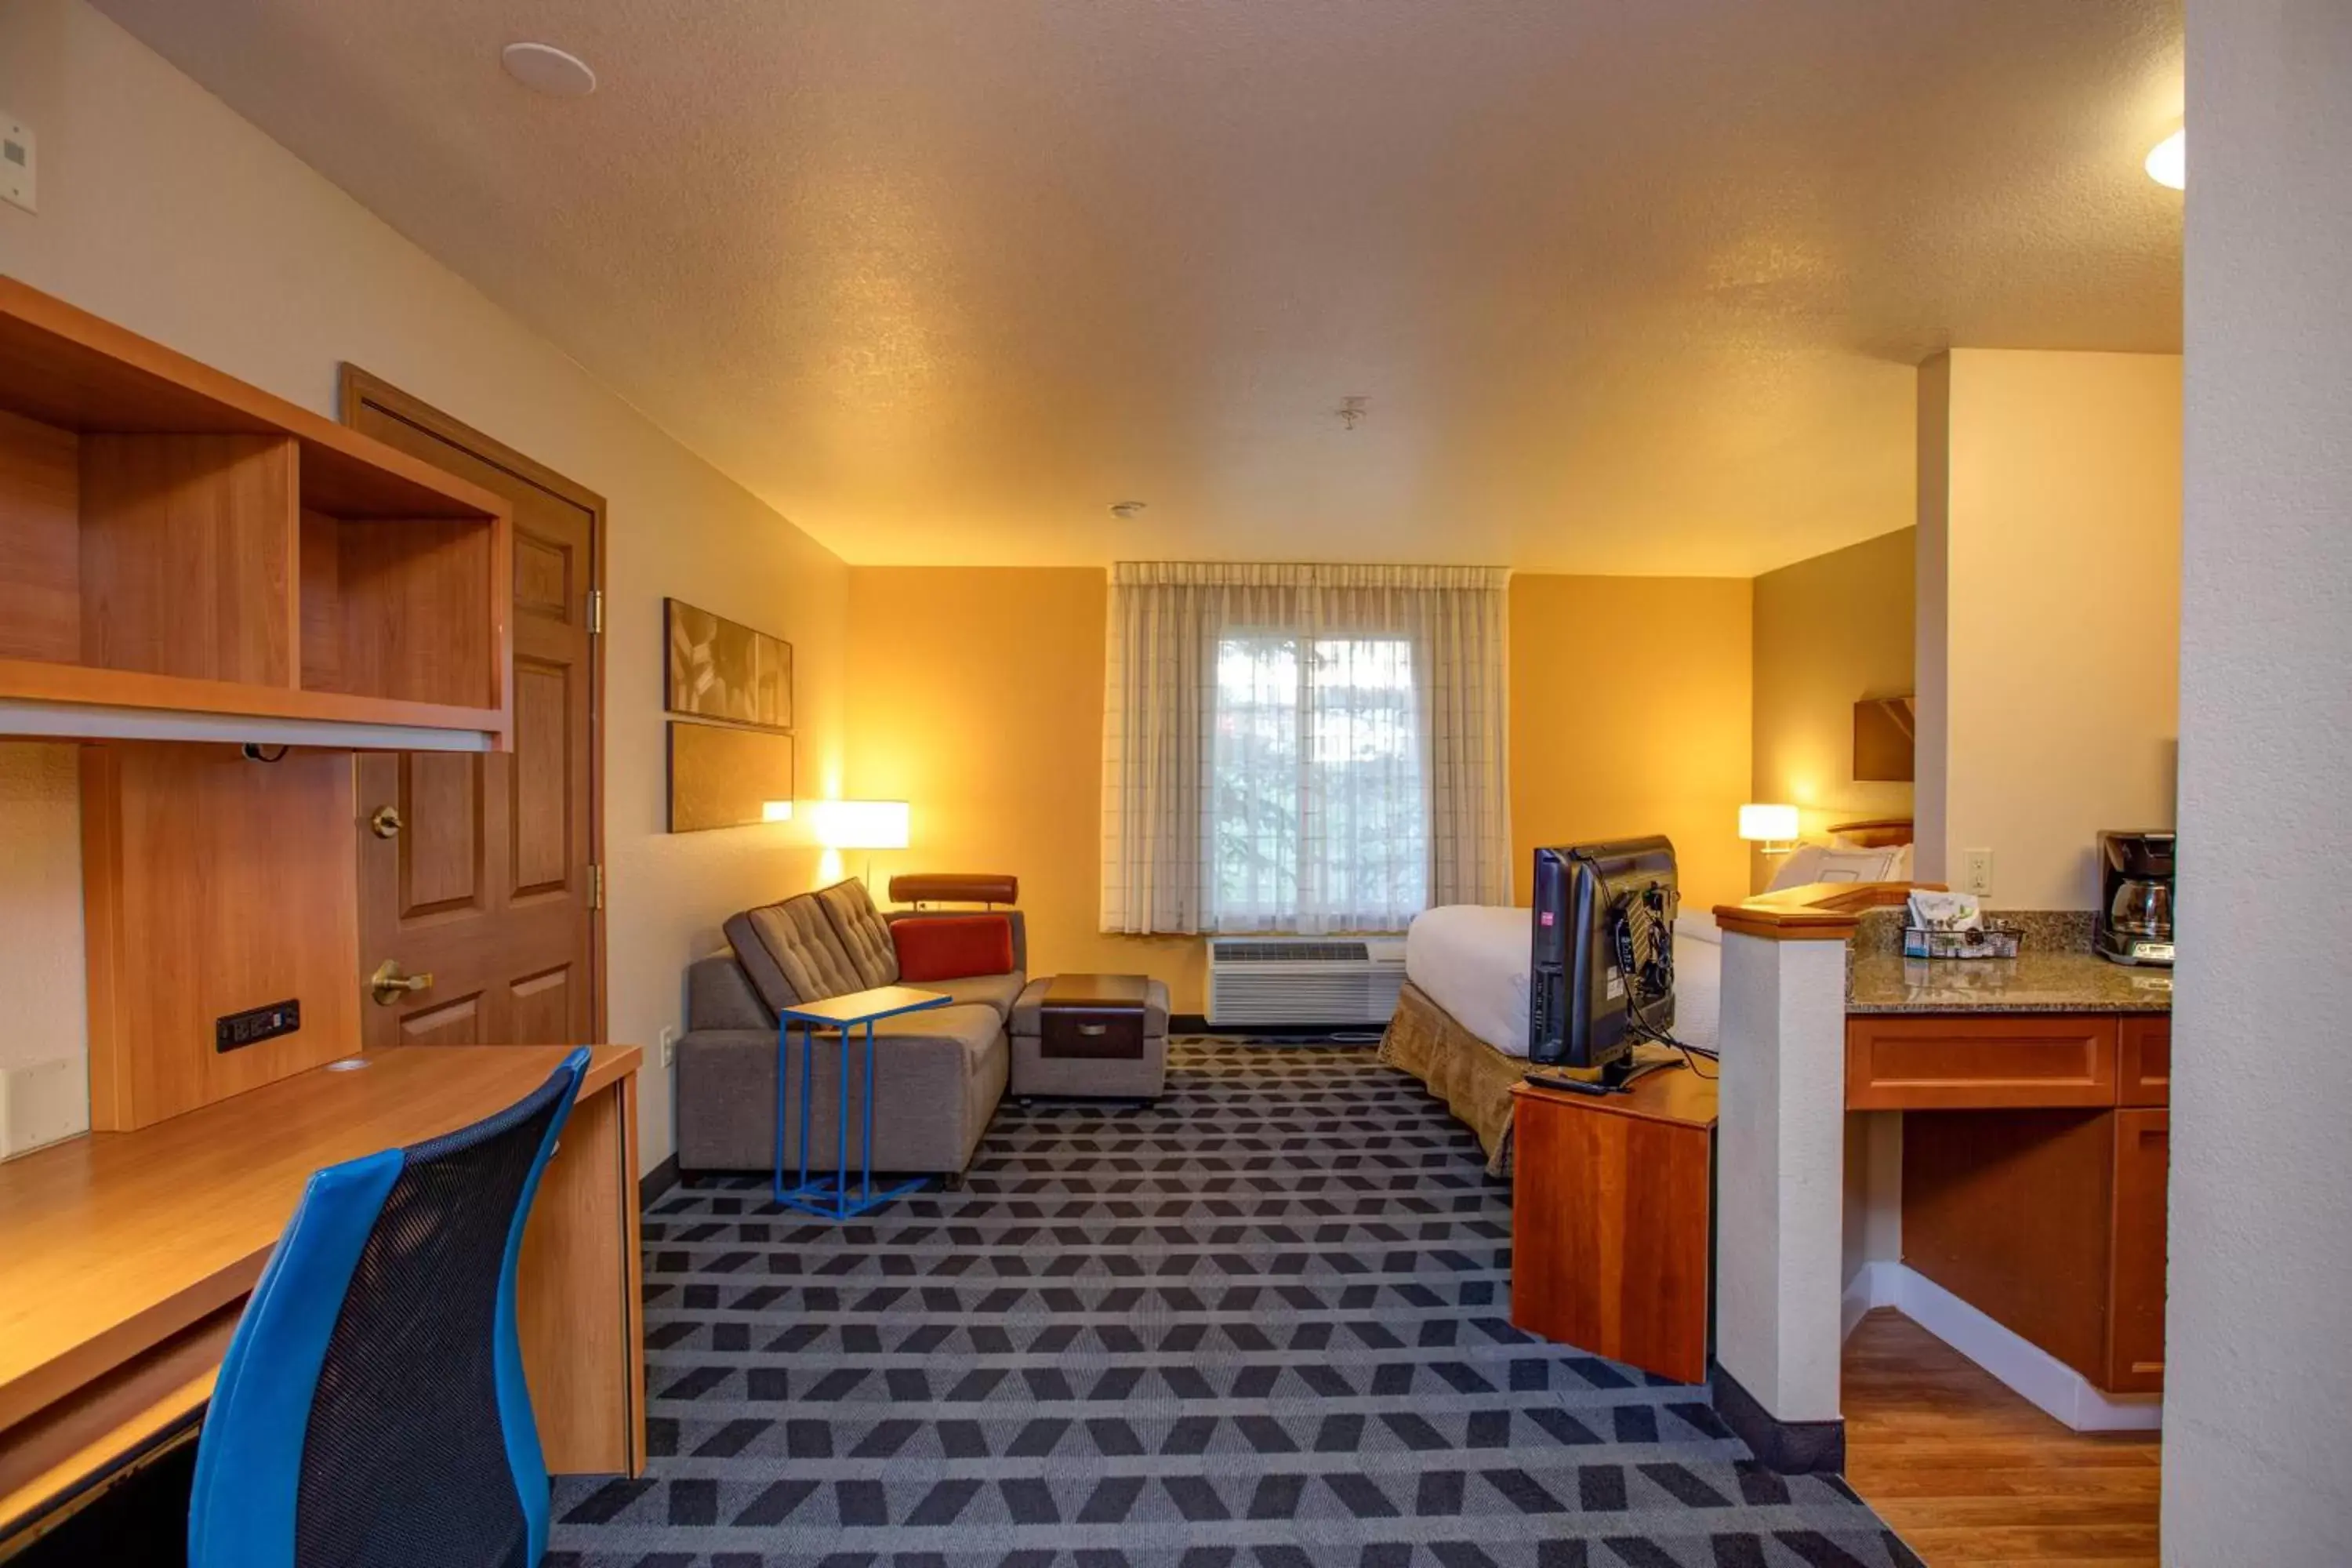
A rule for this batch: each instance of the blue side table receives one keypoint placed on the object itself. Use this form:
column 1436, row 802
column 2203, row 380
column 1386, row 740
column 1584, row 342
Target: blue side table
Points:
column 833, row 1200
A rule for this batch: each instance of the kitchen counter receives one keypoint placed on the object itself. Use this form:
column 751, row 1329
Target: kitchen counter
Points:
column 2067, row 981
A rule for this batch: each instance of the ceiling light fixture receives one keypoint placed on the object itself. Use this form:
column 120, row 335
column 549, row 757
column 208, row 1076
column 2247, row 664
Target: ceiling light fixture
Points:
column 543, row 68
column 1127, row 510
column 2168, row 161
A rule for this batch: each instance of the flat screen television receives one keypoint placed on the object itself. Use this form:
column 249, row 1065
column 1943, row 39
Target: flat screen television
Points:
column 1599, row 908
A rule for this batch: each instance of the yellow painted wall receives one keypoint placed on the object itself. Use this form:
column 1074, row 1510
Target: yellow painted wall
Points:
column 2055, row 541
column 975, row 694
column 1829, row 632
column 1631, row 711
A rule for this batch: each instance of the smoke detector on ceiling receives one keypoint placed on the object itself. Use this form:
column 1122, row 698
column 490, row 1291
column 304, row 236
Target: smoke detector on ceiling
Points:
column 543, row 68
column 1127, row 510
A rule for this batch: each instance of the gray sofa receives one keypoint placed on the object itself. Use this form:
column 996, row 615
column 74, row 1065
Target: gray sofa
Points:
column 939, row 1074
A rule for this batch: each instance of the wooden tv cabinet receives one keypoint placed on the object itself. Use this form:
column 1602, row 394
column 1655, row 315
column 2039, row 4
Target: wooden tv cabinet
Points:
column 1611, row 1203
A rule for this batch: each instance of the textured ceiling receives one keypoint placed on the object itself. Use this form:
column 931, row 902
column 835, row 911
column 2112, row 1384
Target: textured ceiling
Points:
column 1630, row 286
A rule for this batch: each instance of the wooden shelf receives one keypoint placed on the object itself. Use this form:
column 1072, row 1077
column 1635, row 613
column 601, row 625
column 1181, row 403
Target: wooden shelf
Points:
column 183, row 556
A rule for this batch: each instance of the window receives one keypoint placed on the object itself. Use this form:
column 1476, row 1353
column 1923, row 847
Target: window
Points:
column 1318, row 805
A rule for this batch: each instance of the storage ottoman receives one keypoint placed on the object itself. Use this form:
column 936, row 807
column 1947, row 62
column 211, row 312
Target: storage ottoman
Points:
column 1093, row 1037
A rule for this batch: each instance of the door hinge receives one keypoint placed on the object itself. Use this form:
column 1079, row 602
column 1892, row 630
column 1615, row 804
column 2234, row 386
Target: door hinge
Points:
column 595, row 886
column 596, row 612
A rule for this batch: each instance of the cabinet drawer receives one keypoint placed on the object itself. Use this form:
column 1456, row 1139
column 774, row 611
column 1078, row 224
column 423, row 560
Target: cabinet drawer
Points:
column 1979, row 1062
column 1098, row 1033
column 2144, row 1061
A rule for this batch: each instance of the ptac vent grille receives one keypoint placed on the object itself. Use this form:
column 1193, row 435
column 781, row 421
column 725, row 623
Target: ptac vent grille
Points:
column 1290, row 952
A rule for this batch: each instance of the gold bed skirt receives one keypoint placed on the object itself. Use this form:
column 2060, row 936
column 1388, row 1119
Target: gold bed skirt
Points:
column 1471, row 1076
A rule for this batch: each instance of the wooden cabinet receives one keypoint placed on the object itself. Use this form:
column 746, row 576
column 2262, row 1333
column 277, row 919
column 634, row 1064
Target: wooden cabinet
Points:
column 2135, row 1349
column 2034, row 1164
column 183, row 556
column 1976, row 1061
column 1610, row 1221
column 2144, row 1060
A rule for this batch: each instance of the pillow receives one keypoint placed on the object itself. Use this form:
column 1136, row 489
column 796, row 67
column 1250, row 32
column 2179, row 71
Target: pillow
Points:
column 952, row 947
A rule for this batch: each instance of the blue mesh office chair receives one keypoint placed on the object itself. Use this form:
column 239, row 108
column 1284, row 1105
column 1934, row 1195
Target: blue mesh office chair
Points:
column 372, row 1411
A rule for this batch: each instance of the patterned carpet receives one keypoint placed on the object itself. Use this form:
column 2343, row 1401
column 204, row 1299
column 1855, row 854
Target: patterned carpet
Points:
column 1262, row 1324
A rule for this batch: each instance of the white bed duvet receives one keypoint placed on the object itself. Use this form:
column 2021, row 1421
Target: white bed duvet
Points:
column 1472, row 961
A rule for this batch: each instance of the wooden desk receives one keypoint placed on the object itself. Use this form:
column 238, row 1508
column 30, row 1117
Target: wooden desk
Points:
column 1611, row 1204
column 125, row 1258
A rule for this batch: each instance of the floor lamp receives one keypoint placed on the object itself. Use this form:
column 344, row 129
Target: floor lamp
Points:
column 867, row 824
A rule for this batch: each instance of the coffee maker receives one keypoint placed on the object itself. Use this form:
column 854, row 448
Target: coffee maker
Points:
column 2134, row 897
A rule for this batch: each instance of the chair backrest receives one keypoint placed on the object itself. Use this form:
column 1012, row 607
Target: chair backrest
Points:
column 372, row 1407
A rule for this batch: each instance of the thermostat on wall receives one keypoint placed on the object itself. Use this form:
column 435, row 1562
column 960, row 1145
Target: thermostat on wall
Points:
column 15, row 161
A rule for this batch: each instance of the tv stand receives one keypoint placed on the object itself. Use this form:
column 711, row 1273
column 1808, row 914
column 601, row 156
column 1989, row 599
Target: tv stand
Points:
column 1610, row 1220
column 1616, row 1078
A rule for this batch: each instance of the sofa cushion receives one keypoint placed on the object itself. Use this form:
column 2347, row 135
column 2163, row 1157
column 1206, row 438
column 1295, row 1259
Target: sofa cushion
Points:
column 995, row 991
column 953, row 948
column 970, row 1025
column 865, row 934
column 719, row 995
column 933, row 1096
column 793, row 954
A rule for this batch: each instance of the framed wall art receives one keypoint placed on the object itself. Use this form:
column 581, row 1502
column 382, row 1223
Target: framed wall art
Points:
column 722, row 669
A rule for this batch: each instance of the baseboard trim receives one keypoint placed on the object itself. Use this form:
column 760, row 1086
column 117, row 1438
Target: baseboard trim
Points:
column 656, row 1181
column 2025, row 1368
column 1788, row 1447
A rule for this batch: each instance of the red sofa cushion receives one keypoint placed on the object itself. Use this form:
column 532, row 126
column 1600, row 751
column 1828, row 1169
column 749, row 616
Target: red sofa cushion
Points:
column 951, row 947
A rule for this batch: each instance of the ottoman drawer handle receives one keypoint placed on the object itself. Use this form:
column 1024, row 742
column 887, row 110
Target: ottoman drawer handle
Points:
column 1094, row 1031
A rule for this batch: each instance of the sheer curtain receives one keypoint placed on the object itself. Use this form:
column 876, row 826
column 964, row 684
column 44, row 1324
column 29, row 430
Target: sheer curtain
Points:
column 1302, row 748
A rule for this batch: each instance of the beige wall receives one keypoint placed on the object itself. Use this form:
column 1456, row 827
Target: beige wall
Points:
column 1631, row 712
column 1829, row 632
column 2055, row 539
column 162, row 210
column 976, row 695
column 2257, row 1375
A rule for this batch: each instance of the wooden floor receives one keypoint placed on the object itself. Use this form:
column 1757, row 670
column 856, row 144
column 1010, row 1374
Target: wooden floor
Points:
column 1966, row 1472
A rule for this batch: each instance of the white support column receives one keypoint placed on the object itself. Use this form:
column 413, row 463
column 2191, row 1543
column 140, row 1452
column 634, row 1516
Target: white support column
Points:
column 1779, row 1191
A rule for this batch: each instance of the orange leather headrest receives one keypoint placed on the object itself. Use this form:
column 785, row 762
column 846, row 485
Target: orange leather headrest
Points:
column 955, row 888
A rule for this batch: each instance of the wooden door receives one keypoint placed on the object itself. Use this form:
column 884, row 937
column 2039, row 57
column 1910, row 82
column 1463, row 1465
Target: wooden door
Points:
column 482, row 871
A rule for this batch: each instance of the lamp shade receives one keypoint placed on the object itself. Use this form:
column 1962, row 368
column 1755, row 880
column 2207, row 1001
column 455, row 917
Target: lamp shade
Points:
column 860, row 823
column 1767, row 824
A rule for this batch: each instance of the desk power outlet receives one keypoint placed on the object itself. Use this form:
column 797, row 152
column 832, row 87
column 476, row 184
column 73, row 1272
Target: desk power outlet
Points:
column 235, row 1031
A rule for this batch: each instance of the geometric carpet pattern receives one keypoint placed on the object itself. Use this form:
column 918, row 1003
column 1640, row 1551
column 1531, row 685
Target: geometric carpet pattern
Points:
column 1263, row 1323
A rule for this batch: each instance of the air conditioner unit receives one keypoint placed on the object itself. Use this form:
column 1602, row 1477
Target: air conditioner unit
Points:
column 1292, row 979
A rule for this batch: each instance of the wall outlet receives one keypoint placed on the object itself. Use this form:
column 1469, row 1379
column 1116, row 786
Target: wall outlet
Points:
column 16, row 162
column 1976, row 872
column 669, row 1045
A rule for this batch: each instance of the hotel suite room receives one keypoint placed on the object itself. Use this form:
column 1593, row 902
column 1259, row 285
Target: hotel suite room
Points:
column 785, row 382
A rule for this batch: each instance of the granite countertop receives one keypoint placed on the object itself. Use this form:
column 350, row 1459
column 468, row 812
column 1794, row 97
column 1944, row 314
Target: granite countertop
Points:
column 2055, row 972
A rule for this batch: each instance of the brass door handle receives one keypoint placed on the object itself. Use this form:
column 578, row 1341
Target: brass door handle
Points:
column 1092, row 1031
column 385, row 822
column 390, row 985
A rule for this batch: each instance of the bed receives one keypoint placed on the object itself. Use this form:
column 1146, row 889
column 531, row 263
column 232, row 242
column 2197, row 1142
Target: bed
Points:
column 1461, row 1022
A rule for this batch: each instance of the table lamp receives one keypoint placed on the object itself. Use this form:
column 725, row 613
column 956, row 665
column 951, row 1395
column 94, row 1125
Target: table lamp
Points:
column 1771, row 829
column 867, row 824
